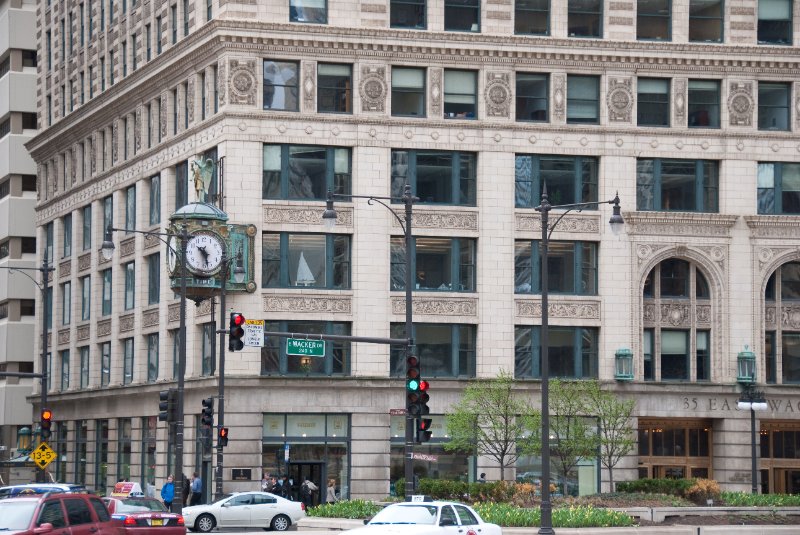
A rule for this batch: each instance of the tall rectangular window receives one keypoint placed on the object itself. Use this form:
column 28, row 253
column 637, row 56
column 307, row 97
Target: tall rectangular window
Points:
column 677, row 185
column 583, row 99
column 436, row 177
column 532, row 17
column 181, row 185
column 152, row 358
column 66, row 303
column 148, row 42
column 124, row 58
column 84, row 364
column 155, row 200
column 86, row 298
column 305, row 260
column 407, row 14
column 87, row 227
column 83, row 88
column 336, row 361
column 49, row 236
column 773, row 106
column 173, row 11
column 462, row 15
column 102, row 15
column 130, row 209
column 110, row 12
column 159, row 29
column 175, row 111
column 153, row 278
column 134, row 50
column 124, row 447
column 775, row 22
column 101, row 454
column 206, row 362
column 64, row 370
column 281, row 85
column 106, row 297
column 91, row 18
column 313, row 11
column 82, row 25
column 49, row 39
column 704, row 103
column 63, row 42
column 706, row 19
column 91, row 81
column 111, row 67
column 533, row 92
column 569, row 179
column 209, row 10
column 654, row 20
column 652, row 102
column 202, row 82
column 437, row 264
column 127, row 362
column 460, row 94
column 66, row 223
column 185, row 91
column 130, row 285
column 585, row 18
column 305, row 172
column 572, row 267
column 448, row 350
column 778, row 188
column 334, row 88
column 105, row 363
column 102, row 74
column 572, row 352
column 408, row 92
column 108, row 212
column 71, row 34
column 185, row 18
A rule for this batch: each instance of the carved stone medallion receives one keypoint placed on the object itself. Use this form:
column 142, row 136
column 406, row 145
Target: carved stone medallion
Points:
column 243, row 82
column 559, row 96
column 679, row 92
column 740, row 103
column 620, row 99
column 309, row 86
column 373, row 88
column 497, row 94
column 436, row 92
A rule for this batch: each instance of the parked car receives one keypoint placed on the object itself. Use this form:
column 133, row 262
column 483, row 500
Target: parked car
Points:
column 58, row 512
column 144, row 516
column 427, row 518
column 39, row 488
column 245, row 510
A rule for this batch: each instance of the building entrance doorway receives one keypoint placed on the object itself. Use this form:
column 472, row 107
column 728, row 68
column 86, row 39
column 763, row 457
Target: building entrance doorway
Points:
column 315, row 472
column 675, row 448
column 779, row 459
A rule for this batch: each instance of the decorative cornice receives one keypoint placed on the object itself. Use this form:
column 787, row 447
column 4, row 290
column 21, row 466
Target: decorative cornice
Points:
column 579, row 309
column 773, row 226
column 532, row 222
column 275, row 214
column 307, row 304
column 678, row 223
column 174, row 312
column 150, row 318
column 127, row 247
column 63, row 336
column 442, row 219
column 437, row 306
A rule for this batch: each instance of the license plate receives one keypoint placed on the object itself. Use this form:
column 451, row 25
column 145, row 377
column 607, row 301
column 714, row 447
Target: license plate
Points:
column 157, row 522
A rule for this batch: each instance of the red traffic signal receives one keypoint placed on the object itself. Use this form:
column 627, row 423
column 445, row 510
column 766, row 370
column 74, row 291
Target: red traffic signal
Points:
column 222, row 436
column 424, row 432
column 46, row 423
column 236, row 332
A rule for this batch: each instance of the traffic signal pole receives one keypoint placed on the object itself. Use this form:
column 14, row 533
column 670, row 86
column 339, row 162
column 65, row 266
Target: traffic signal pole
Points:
column 221, row 379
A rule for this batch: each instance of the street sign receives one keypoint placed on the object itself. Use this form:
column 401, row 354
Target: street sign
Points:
column 286, row 453
column 254, row 333
column 43, row 455
column 425, row 457
column 305, row 348
column 397, row 412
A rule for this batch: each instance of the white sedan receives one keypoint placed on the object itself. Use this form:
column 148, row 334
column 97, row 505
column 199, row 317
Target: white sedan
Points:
column 245, row 510
column 427, row 518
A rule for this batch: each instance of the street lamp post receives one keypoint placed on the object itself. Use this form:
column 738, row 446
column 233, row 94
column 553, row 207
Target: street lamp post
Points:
column 182, row 235
column 752, row 400
column 544, row 208
column 408, row 200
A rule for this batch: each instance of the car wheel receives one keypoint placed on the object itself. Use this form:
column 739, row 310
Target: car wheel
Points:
column 205, row 523
column 281, row 523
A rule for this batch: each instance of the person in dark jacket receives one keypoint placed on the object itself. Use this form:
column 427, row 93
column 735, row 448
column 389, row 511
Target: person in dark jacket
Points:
column 187, row 490
column 168, row 493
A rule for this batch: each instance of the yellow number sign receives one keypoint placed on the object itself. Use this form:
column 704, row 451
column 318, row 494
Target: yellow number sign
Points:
column 43, row 455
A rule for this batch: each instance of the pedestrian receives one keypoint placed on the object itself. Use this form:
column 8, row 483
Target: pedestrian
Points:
column 274, row 486
column 482, row 479
column 286, row 488
column 265, row 483
column 307, row 490
column 186, row 490
column 330, row 495
column 168, row 493
column 197, row 489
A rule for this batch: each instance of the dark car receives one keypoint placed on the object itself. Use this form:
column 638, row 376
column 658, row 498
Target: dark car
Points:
column 56, row 512
column 144, row 516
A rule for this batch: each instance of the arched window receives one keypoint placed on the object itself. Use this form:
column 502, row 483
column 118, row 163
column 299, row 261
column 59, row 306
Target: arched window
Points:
column 676, row 336
column 782, row 328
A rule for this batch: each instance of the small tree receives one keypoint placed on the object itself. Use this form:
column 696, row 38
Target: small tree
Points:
column 614, row 418
column 493, row 420
column 573, row 435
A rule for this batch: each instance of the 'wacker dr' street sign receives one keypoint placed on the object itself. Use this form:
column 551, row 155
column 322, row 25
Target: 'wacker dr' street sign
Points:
column 305, row 348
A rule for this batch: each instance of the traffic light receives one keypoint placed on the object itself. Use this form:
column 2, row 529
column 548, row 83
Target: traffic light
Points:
column 412, row 386
column 236, row 332
column 47, row 423
column 222, row 436
column 167, row 405
column 424, row 429
column 207, row 415
column 424, row 397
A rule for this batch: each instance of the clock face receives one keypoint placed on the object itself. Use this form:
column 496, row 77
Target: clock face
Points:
column 204, row 253
column 172, row 254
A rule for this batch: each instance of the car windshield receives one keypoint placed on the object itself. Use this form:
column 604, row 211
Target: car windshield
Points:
column 140, row 505
column 406, row 514
column 16, row 515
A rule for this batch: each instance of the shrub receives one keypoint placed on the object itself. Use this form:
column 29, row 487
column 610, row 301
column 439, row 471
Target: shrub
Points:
column 507, row 515
column 443, row 489
column 675, row 487
column 703, row 490
column 745, row 499
column 345, row 509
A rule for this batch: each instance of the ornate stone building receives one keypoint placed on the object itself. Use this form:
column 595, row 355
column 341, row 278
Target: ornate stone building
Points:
column 688, row 113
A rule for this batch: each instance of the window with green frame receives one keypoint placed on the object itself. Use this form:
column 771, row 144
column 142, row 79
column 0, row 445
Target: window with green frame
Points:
column 149, row 446
column 572, row 267
column 436, row 177
column 782, row 345
column 87, row 227
column 291, row 260
column 572, row 352
column 569, row 179
column 446, row 350
column 654, row 20
column 774, row 106
column 305, row 172
column 64, row 370
column 81, row 437
column 437, row 264
column 153, row 278
column 84, row 353
column 407, row 14
column 108, row 213
column 706, row 20
column 105, row 363
column 532, row 17
column 207, row 363
column 152, row 357
column 778, row 188
column 86, row 297
column 124, row 448
column 66, row 227
column 101, row 455
column 775, row 22
column 275, row 361
column 127, row 361
column 585, row 18
column 106, row 295
column 155, row 200
column 677, row 185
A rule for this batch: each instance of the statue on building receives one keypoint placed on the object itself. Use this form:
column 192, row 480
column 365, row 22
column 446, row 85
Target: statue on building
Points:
column 202, row 173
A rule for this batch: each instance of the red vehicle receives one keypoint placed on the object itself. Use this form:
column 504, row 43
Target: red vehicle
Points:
column 144, row 516
column 57, row 513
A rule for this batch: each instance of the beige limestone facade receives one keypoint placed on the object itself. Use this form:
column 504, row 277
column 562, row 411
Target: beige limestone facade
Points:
column 154, row 84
